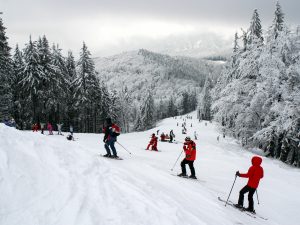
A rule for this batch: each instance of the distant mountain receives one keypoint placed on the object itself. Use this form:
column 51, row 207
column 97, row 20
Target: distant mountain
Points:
column 165, row 75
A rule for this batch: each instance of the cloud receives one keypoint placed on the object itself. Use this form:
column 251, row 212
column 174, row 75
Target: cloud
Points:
column 105, row 24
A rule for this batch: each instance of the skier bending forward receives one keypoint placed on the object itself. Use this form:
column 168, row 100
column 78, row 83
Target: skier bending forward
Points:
column 111, row 131
column 254, row 174
column 189, row 148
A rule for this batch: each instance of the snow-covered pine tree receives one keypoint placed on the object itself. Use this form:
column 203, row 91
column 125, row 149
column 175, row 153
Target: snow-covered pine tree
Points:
column 5, row 75
column 185, row 104
column 172, row 111
column 71, row 110
column 278, row 22
column 126, row 105
column 57, row 95
column 20, row 100
column 87, row 89
column 255, row 30
column 205, row 101
column 33, row 79
column 147, row 112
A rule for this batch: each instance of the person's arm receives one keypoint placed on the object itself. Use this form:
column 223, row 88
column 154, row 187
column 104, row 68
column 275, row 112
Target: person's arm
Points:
column 106, row 132
column 248, row 174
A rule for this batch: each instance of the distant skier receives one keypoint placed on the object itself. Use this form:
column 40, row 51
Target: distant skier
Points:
column 50, row 128
column 184, row 130
column 172, row 136
column 111, row 131
column 195, row 135
column 152, row 143
column 189, row 148
column 254, row 174
column 35, row 127
column 42, row 128
column 157, row 132
column 70, row 137
column 162, row 137
column 71, row 130
column 59, row 126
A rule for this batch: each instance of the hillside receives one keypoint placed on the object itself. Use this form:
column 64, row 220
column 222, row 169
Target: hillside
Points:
column 166, row 75
column 48, row 180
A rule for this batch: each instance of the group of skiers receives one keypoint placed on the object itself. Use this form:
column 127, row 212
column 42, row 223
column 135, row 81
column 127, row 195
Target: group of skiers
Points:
column 41, row 126
column 167, row 137
column 254, row 174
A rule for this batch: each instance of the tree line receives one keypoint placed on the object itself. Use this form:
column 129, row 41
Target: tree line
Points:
column 39, row 85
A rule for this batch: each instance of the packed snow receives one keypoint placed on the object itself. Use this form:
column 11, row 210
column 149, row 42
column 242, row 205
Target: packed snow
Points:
column 49, row 180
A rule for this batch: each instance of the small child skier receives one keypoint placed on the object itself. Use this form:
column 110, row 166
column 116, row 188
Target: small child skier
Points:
column 153, row 143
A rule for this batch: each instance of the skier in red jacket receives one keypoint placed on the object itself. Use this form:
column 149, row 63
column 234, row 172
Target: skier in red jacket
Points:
column 189, row 148
column 254, row 174
column 153, row 143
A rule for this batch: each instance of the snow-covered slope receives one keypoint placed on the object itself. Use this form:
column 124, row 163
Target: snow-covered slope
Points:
column 138, row 70
column 48, row 180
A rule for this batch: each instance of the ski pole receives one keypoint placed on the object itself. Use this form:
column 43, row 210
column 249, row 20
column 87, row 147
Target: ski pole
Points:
column 124, row 148
column 257, row 196
column 177, row 160
column 230, row 190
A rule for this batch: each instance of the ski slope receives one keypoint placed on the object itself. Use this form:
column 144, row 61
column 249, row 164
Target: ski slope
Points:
column 47, row 180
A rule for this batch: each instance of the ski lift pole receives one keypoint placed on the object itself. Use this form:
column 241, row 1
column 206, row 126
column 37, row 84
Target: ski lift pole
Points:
column 230, row 191
column 177, row 160
column 124, row 148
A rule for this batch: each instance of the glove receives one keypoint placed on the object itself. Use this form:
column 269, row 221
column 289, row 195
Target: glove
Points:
column 237, row 173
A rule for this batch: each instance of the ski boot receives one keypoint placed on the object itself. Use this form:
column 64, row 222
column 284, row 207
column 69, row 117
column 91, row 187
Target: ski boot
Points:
column 193, row 177
column 182, row 175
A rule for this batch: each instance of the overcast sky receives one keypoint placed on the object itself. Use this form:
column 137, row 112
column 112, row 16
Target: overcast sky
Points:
column 109, row 26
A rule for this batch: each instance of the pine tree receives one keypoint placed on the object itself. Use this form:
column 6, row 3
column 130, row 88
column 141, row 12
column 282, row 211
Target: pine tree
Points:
column 205, row 101
column 33, row 79
column 278, row 22
column 255, row 30
column 20, row 101
column 87, row 89
column 126, row 105
column 71, row 111
column 171, row 108
column 147, row 112
column 5, row 75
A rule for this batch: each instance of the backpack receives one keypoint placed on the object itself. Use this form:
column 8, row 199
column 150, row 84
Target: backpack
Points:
column 116, row 130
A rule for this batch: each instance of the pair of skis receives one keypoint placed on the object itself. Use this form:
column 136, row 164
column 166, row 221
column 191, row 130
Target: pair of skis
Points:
column 253, row 215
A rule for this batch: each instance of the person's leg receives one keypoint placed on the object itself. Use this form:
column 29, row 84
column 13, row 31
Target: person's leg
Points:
column 148, row 146
column 241, row 197
column 191, row 165
column 183, row 169
column 106, row 146
column 250, row 199
column 112, row 146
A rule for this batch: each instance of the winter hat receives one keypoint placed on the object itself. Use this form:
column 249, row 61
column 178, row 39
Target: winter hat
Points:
column 187, row 138
column 108, row 120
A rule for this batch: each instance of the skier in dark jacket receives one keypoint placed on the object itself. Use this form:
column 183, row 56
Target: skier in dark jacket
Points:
column 111, row 131
column 171, row 136
column 254, row 174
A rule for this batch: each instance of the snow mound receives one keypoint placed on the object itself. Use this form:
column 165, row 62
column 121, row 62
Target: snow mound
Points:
column 48, row 180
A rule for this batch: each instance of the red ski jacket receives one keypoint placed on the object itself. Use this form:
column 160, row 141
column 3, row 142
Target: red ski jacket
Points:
column 153, row 140
column 189, row 148
column 255, row 172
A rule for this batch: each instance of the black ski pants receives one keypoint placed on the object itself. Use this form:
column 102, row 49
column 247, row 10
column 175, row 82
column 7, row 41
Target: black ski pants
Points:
column 243, row 191
column 191, row 165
